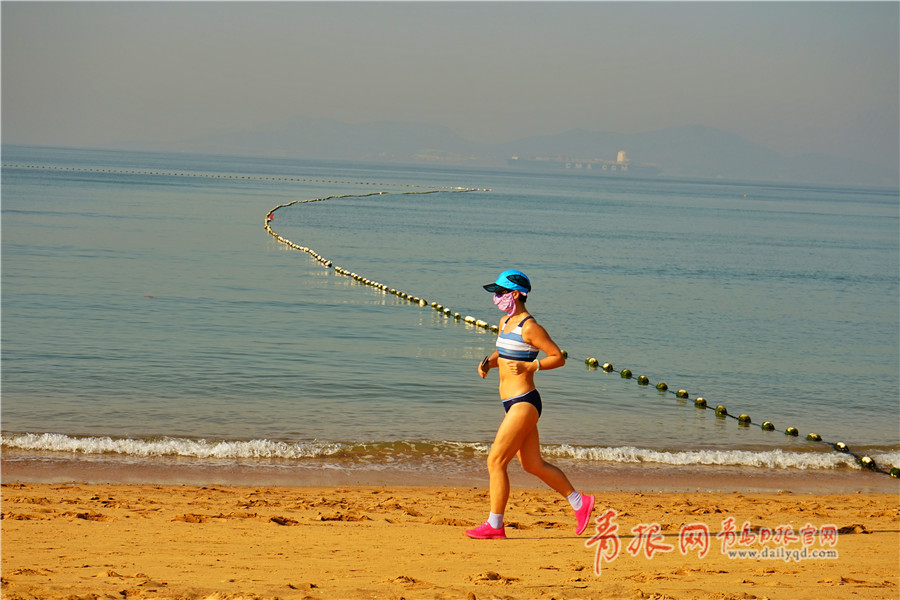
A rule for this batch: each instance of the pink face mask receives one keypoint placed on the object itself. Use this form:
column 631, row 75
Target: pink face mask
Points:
column 506, row 303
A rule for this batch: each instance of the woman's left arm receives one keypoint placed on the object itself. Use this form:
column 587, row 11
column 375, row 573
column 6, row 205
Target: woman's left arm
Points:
column 537, row 336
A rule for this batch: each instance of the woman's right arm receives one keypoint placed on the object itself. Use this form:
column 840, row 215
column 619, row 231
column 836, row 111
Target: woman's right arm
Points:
column 487, row 364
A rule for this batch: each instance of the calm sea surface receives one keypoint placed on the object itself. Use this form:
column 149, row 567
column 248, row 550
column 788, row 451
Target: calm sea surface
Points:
column 149, row 318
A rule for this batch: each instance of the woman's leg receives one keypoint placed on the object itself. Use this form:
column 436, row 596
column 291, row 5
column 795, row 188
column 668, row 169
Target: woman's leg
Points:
column 517, row 425
column 533, row 462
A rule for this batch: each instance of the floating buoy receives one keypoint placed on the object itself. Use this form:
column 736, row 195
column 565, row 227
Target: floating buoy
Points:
column 867, row 462
column 744, row 419
column 457, row 316
column 681, row 394
column 643, row 380
column 721, row 411
column 592, row 362
column 607, row 367
column 565, row 353
column 814, row 437
column 768, row 426
column 626, row 373
column 700, row 402
column 895, row 472
column 792, row 431
column 661, row 386
column 841, row 447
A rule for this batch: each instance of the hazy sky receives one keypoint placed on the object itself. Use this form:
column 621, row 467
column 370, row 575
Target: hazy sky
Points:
column 795, row 77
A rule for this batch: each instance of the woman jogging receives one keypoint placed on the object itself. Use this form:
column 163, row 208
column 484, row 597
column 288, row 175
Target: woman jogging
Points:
column 516, row 359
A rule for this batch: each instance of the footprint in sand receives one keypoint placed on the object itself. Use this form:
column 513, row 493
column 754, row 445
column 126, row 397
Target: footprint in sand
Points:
column 491, row 577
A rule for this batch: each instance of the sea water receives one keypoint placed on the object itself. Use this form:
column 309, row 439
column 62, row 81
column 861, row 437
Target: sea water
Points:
column 150, row 320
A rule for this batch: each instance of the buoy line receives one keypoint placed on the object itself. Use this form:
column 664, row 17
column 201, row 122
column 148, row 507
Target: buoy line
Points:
column 592, row 363
column 432, row 189
column 743, row 420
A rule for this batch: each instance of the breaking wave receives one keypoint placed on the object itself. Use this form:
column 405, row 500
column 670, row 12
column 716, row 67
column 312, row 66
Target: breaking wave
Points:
column 378, row 453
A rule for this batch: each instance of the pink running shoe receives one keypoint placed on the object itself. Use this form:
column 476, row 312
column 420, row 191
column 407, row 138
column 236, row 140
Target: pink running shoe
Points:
column 486, row 532
column 583, row 514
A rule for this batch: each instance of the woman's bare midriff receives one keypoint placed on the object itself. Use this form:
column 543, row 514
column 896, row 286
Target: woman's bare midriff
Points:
column 511, row 384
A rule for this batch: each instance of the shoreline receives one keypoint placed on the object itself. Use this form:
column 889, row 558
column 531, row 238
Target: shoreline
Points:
column 606, row 477
column 108, row 541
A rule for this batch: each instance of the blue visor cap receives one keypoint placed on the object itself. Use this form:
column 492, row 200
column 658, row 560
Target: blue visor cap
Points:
column 509, row 281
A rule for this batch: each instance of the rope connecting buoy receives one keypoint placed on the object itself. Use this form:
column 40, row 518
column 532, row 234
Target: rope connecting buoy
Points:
column 792, row 431
column 721, row 411
column 814, row 437
column 661, row 386
column 643, row 380
column 767, row 426
column 681, row 394
column 700, row 402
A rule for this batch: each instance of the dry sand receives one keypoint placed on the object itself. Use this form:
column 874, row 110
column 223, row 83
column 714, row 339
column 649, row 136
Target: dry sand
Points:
column 80, row 541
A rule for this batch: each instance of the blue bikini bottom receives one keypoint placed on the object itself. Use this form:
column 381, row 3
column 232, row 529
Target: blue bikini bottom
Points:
column 533, row 398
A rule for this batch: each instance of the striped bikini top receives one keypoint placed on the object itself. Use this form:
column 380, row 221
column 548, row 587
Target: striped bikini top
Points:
column 511, row 346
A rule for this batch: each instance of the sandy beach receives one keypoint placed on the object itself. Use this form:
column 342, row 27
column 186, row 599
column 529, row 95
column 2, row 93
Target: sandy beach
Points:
column 80, row 541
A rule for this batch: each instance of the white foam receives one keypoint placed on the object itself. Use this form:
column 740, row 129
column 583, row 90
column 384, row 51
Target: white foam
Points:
column 167, row 446
column 374, row 454
column 772, row 459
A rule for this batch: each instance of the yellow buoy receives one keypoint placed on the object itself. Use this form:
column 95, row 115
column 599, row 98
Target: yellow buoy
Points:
column 700, row 402
column 721, row 411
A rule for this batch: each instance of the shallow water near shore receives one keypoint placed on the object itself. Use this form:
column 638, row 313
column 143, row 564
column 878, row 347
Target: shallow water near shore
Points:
column 147, row 316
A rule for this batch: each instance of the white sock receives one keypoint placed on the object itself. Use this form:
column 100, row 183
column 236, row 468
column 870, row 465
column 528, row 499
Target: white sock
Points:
column 575, row 500
column 495, row 520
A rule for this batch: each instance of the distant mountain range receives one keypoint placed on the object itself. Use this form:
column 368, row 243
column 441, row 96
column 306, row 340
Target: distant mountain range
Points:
column 694, row 151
